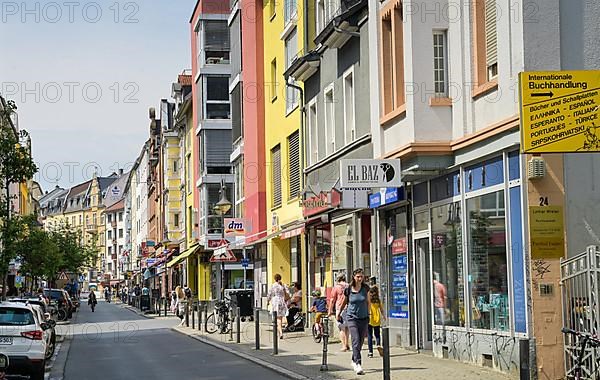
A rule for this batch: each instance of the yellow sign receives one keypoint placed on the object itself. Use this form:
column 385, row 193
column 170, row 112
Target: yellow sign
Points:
column 546, row 231
column 559, row 111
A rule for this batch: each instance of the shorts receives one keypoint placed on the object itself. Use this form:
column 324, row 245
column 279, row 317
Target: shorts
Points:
column 344, row 323
column 318, row 317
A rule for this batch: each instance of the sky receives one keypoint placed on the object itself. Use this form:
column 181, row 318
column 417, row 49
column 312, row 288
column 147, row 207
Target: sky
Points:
column 84, row 74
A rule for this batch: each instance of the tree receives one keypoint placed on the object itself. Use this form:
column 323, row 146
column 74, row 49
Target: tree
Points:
column 16, row 166
column 74, row 254
column 37, row 251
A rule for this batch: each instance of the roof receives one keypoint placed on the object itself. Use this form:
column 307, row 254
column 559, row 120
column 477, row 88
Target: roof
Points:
column 120, row 205
column 115, row 191
column 185, row 80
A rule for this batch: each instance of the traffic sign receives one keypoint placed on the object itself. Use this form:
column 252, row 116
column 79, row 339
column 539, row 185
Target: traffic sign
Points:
column 63, row 276
column 223, row 254
column 245, row 262
column 559, row 111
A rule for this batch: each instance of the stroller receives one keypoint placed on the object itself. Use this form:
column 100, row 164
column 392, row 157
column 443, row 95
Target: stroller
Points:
column 298, row 324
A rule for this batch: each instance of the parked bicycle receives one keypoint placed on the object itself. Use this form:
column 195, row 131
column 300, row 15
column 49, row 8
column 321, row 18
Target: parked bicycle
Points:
column 57, row 311
column 584, row 341
column 219, row 320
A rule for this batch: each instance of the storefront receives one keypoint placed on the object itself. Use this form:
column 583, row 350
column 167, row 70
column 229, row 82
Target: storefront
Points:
column 456, row 263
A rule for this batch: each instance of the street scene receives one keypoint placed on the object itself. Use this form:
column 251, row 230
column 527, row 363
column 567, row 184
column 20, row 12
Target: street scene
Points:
column 300, row 189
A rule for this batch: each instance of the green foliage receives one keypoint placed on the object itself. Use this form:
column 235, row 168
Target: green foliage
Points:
column 74, row 253
column 38, row 252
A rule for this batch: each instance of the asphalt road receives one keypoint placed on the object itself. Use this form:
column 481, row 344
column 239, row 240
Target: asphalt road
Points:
column 115, row 343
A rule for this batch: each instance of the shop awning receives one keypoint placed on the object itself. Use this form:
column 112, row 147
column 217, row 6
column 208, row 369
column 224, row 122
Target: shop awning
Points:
column 184, row 255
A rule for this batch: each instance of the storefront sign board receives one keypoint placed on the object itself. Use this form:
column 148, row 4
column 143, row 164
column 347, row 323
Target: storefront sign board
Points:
column 399, row 246
column 559, row 111
column 370, row 173
column 386, row 196
column 546, row 229
column 321, row 203
column 237, row 227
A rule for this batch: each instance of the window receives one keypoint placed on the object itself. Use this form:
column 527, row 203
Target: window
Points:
column 291, row 49
column 440, row 64
column 109, row 234
column 294, row 164
column 313, row 133
column 216, row 42
column 120, row 249
column 188, row 173
column 239, row 178
column 488, row 262
column 320, row 15
column 273, row 87
column 109, row 251
column 120, row 217
column 290, row 10
column 485, row 40
column 447, row 255
column 217, row 97
column 276, row 175
column 491, row 39
column 109, row 265
column 236, row 112
column 176, row 220
column 120, row 233
column 94, row 219
column 392, row 58
column 175, row 166
column 329, row 121
column 349, row 116
column 80, row 219
column 109, row 218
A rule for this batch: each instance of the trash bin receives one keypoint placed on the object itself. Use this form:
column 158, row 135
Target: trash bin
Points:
column 244, row 300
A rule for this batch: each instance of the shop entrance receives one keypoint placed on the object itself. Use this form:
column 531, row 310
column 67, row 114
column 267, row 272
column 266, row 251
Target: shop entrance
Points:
column 423, row 320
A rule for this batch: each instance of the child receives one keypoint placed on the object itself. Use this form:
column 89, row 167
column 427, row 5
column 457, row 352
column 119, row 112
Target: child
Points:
column 319, row 306
column 375, row 316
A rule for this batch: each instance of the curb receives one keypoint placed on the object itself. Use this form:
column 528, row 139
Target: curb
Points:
column 273, row 367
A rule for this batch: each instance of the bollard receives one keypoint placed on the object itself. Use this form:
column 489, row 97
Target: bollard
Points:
column 275, row 337
column 166, row 306
column 257, row 329
column 187, row 314
column 231, row 316
column 193, row 316
column 237, row 325
column 199, row 316
column 325, row 324
column 385, row 337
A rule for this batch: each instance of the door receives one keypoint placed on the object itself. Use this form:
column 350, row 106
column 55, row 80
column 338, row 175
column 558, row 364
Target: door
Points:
column 423, row 294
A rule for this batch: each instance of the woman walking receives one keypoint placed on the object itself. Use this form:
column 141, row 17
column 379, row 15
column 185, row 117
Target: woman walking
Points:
column 180, row 304
column 376, row 314
column 357, row 300
column 278, row 296
column 335, row 308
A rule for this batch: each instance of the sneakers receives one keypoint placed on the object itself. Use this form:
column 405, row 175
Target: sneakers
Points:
column 358, row 370
column 380, row 350
column 354, row 367
column 370, row 354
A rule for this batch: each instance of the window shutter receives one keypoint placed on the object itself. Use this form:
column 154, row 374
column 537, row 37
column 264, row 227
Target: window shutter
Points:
column 491, row 37
column 216, row 35
column 276, row 163
column 218, row 147
column 294, row 164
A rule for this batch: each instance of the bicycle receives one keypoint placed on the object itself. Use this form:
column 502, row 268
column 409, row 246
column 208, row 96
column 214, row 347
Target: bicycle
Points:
column 584, row 340
column 219, row 319
column 317, row 329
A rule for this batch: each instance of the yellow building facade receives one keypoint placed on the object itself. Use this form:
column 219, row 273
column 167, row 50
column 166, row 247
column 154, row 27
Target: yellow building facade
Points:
column 283, row 40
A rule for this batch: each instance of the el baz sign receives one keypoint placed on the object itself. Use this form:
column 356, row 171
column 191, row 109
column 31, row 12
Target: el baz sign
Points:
column 370, row 173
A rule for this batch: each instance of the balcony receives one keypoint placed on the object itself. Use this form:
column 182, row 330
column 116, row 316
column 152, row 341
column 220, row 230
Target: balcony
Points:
column 91, row 227
column 342, row 24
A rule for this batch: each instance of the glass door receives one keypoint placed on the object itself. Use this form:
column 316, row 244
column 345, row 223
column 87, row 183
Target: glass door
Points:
column 423, row 293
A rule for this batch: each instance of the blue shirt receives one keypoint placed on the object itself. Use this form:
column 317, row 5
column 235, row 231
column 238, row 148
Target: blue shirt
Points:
column 320, row 305
column 358, row 307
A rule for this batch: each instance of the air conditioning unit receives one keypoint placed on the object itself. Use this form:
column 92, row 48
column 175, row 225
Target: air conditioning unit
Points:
column 536, row 168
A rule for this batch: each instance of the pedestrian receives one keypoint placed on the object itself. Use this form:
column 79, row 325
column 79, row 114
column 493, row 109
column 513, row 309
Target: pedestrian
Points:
column 278, row 296
column 375, row 316
column 439, row 299
column 187, row 291
column 294, row 304
column 357, row 302
column 180, row 304
column 335, row 308
column 92, row 301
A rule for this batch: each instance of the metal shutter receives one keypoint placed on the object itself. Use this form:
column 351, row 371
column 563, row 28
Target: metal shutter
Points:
column 218, row 147
column 294, row 164
column 491, row 37
column 276, row 174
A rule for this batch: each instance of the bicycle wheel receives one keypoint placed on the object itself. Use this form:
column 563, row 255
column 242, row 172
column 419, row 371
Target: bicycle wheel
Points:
column 62, row 315
column 224, row 325
column 211, row 325
column 316, row 334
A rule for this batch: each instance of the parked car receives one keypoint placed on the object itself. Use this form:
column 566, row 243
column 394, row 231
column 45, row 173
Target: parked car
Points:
column 44, row 317
column 24, row 339
column 62, row 298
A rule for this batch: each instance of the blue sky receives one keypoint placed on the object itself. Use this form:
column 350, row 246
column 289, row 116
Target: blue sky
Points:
column 84, row 76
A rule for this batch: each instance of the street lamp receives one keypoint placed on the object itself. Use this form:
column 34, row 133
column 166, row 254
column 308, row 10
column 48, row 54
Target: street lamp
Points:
column 221, row 208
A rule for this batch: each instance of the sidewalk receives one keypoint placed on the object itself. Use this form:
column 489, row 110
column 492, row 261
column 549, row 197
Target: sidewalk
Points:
column 146, row 314
column 300, row 358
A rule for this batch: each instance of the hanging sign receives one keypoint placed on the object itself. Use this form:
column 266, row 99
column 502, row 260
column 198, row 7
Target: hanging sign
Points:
column 369, row 173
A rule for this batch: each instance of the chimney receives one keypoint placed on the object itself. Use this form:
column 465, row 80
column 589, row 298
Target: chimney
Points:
column 120, row 172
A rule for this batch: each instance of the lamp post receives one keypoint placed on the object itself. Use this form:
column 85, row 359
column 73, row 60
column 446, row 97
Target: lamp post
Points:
column 221, row 208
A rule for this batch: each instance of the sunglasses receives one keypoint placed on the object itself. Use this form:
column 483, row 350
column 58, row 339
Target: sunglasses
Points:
column 357, row 271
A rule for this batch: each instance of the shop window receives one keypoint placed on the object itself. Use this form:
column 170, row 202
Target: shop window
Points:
column 343, row 246
column 488, row 278
column 514, row 167
column 448, row 279
column 422, row 221
column 484, row 174
column 398, row 234
column 445, row 187
column 419, row 194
